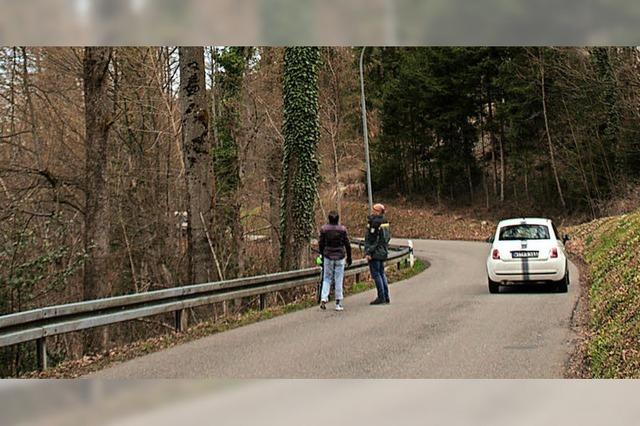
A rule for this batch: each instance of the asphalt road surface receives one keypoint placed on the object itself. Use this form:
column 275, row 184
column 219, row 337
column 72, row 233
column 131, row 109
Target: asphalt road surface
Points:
column 442, row 323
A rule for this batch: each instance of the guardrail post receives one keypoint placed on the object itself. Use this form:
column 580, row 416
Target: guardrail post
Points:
column 263, row 302
column 358, row 277
column 41, row 353
column 412, row 259
column 179, row 320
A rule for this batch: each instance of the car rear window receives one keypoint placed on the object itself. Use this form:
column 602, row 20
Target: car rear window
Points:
column 524, row 232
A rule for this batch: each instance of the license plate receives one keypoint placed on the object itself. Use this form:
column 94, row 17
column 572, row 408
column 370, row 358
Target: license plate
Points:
column 523, row 254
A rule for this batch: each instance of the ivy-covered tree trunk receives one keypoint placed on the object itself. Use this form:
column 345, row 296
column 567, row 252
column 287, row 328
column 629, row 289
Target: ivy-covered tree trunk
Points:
column 98, row 121
column 198, row 163
column 227, row 226
column 300, row 164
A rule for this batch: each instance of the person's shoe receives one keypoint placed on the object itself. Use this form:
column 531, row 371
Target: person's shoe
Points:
column 339, row 307
column 377, row 302
column 386, row 302
column 323, row 304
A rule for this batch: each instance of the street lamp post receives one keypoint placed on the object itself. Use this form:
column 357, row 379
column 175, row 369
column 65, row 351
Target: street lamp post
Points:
column 365, row 131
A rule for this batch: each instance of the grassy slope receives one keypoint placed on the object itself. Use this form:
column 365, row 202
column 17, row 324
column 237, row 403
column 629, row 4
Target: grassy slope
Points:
column 611, row 248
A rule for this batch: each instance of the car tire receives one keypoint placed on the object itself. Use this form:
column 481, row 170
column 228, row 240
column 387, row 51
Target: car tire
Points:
column 494, row 287
column 562, row 286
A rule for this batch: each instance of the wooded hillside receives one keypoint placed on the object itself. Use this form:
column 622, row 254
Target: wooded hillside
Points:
column 549, row 129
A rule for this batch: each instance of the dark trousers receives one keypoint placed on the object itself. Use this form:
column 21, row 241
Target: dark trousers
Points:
column 376, row 267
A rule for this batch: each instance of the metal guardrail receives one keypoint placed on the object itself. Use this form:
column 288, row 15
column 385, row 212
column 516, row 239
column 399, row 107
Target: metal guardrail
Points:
column 38, row 324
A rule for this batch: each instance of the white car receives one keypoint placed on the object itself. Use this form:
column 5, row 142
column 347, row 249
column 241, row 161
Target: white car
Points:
column 527, row 250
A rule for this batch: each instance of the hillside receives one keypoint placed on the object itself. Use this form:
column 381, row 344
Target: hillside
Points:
column 611, row 249
column 414, row 221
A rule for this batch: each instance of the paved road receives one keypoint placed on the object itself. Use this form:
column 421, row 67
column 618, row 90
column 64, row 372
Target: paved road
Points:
column 442, row 323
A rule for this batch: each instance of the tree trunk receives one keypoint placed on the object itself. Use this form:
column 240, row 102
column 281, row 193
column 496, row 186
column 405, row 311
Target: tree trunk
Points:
column 493, row 150
column 502, row 164
column 615, row 152
column 96, row 239
column 546, row 125
column 300, row 164
column 196, row 148
column 274, row 171
column 213, row 59
column 470, row 182
column 581, row 167
column 227, row 145
column 439, row 186
column 526, row 182
column 26, row 87
column 12, row 101
column 485, row 184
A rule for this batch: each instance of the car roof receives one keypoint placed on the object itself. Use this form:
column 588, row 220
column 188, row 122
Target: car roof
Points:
column 525, row 220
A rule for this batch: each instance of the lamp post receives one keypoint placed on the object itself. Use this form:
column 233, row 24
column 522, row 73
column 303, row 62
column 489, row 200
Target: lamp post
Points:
column 365, row 131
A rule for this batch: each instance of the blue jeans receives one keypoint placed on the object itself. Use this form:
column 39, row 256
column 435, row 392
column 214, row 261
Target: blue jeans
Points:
column 333, row 271
column 377, row 273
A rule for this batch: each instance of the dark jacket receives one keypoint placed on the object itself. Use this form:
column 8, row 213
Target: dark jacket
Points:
column 376, row 241
column 334, row 242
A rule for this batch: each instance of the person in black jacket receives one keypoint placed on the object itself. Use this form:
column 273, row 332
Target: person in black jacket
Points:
column 376, row 249
column 336, row 253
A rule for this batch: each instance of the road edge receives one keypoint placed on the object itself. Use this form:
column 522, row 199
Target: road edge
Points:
column 576, row 365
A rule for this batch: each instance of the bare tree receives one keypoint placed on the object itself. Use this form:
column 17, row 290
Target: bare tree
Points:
column 546, row 125
column 98, row 121
column 339, row 146
column 196, row 148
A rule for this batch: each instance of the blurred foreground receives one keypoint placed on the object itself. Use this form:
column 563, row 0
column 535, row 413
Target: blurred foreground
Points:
column 310, row 402
column 351, row 22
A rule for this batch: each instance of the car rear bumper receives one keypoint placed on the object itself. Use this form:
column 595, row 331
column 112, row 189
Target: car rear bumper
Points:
column 510, row 271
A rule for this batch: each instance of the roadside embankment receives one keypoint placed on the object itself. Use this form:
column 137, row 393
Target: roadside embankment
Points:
column 610, row 248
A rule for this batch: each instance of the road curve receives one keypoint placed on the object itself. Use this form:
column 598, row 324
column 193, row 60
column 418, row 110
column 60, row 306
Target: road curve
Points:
column 442, row 323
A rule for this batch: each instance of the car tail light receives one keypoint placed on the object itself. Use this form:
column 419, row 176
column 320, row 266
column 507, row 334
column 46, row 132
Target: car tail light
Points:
column 554, row 253
column 495, row 254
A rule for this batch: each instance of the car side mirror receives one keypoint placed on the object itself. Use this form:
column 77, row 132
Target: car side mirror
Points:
column 490, row 239
column 566, row 238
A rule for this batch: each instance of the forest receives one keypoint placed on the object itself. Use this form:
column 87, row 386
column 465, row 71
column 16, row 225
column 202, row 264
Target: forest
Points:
column 130, row 169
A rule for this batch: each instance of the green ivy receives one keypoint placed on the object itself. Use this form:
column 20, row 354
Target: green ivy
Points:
column 34, row 269
column 232, row 61
column 301, row 133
